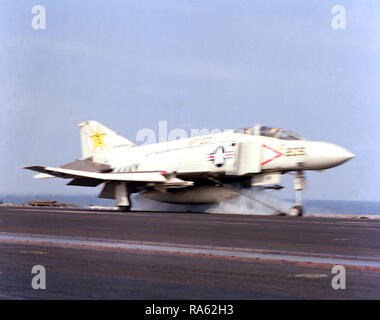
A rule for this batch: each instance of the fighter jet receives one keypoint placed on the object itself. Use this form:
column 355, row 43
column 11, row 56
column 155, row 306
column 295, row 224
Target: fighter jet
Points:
column 197, row 170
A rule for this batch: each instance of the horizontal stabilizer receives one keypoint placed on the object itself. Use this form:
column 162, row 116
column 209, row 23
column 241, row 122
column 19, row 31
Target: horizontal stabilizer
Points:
column 43, row 176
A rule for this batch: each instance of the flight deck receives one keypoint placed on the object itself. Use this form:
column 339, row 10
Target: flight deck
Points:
column 160, row 255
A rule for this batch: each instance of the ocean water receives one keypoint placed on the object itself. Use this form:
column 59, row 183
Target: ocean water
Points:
column 343, row 207
column 311, row 206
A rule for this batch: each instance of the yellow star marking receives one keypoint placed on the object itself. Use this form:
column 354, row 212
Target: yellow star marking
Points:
column 97, row 137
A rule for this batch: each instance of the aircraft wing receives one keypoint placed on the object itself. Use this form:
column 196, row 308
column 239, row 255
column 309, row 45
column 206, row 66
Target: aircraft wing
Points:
column 154, row 176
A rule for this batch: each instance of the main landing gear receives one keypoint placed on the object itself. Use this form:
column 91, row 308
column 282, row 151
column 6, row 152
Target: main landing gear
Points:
column 122, row 197
column 299, row 185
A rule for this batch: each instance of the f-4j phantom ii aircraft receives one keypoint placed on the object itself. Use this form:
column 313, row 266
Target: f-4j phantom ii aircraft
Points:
column 196, row 170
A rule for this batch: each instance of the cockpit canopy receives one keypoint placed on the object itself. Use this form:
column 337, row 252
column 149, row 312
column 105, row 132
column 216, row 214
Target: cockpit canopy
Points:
column 270, row 132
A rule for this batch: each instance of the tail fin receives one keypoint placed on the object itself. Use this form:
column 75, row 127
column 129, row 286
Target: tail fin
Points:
column 96, row 138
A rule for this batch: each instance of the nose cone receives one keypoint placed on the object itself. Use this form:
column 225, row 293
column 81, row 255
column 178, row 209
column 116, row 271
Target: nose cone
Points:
column 323, row 155
column 346, row 155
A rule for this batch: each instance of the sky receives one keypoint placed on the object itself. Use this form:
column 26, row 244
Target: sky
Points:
column 195, row 64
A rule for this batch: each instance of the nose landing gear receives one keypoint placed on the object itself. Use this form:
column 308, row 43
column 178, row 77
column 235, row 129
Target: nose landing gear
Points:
column 299, row 185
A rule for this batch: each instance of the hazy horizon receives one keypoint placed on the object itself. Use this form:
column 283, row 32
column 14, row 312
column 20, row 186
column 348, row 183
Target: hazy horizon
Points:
column 311, row 206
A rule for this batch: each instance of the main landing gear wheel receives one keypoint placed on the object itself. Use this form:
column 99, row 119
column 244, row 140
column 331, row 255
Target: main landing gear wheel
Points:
column 122, row 197
column 296, row 211
column 124, row 208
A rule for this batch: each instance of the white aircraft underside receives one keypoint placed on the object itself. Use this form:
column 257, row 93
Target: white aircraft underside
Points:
column 194, row 170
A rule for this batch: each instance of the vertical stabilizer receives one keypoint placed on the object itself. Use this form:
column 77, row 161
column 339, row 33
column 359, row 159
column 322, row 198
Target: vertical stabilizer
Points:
column 97, row 138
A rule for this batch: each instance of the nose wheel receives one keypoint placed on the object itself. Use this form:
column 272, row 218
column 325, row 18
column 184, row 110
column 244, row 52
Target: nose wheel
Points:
column 296, row 211
column 299, row 185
